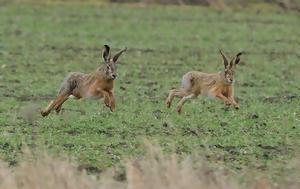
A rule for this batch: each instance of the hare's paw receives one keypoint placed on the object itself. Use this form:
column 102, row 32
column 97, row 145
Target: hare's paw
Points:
column 179, row 109
column 112, row 109
column 227, row 103
column 168, row 103
column 237, row 106
column 44, row 113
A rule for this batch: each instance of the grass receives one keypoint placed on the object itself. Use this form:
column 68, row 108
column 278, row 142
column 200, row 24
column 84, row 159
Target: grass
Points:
column 155, row 170
column 41, row 43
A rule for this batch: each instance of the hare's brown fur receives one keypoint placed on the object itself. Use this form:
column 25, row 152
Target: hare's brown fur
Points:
column 98, row 84
column 219, row 85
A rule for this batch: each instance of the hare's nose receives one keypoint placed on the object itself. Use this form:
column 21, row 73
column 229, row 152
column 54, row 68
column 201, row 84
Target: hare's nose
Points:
column 114, row 76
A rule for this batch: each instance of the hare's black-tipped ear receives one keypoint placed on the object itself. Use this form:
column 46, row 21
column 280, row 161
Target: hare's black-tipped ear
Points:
column 237, row 57
column 106, row 53
column 225, row 60
column 115, row 58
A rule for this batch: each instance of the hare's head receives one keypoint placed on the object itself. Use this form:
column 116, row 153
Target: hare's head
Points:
column 110, row 67
column 230, row 67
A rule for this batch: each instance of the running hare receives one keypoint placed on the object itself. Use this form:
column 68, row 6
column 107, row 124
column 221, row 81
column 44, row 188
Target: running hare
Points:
column 218, row 85
column 97, row 84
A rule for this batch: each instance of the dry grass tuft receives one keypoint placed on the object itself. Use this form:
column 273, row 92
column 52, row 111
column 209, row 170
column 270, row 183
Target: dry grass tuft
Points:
column 159, row 171
column 155, row 171
column 44, row 173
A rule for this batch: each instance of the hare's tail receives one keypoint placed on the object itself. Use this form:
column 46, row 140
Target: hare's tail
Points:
column 187, row 81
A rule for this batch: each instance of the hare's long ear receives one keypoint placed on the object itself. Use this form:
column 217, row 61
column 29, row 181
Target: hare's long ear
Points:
column 236, row 59
column 224, row 59
column 115, row 58
column 106, row 53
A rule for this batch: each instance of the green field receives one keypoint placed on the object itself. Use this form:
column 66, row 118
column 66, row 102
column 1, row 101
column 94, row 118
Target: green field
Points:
column 41, row 43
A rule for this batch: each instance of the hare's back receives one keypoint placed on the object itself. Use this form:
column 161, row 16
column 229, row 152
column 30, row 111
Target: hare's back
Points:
column 195, row 75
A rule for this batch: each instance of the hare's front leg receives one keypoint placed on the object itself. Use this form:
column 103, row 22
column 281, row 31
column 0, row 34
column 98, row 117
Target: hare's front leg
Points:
column 224, row 98
column 106, row 96
column 112, row 101
column 231, row 98
column 234, row 103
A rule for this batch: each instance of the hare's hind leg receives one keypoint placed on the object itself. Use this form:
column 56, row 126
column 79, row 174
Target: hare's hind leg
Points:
column 59, row 100
column 69, row 84
column 58, row 108
column 59, row 105
column 175, row 92
column 45, row 111
column 183, row 100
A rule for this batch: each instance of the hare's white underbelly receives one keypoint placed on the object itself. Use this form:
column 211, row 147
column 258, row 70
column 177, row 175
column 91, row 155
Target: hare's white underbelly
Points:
column 207, row 93
column 91, row 96
column 71, row 96
column 87, row 96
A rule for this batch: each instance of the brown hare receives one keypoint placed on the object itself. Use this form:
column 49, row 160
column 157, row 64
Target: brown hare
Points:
column 218, row 85
column 98, row 84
